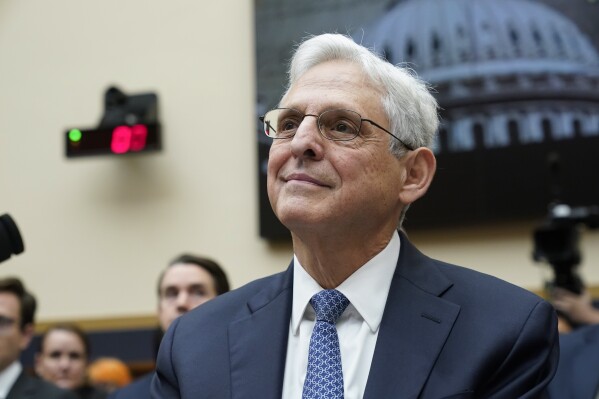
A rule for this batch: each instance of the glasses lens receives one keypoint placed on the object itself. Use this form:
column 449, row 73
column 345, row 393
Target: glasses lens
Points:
column 339, row 124
column 282, row 123
column 6, row 322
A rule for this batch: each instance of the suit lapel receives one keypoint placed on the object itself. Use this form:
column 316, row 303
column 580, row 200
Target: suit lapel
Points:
column 415, row 325
column 21, row 389
column 584, row 369
column 258, row 342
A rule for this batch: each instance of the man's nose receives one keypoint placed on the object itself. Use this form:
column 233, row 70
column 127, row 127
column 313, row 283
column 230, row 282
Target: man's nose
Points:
column 307, row 141
column 183, row 301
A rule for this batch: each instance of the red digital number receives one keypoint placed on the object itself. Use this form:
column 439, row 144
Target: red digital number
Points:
column 121, row 139
column 125, row 138
column 138, row 137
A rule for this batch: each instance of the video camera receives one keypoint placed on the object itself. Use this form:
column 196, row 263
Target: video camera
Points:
column 556, row 242
column 10, row 238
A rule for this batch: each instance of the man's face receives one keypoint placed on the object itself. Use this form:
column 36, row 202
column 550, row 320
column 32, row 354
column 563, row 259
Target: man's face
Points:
column 336, row 185
column 12, row 339
column 184, row 286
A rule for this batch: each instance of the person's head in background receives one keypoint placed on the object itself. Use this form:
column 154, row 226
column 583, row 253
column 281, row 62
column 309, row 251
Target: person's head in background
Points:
column 62, row 356
column 573, row 310
column 17, row 311
column 109, row 373
column 186, row 283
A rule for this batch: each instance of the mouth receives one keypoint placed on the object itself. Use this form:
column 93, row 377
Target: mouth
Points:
column 305, row 179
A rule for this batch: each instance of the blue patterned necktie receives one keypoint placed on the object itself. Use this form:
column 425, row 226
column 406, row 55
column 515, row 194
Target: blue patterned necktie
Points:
column 324, row 378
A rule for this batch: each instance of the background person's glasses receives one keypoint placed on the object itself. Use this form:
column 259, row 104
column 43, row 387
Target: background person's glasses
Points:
column 334, row 124
column 6, row 323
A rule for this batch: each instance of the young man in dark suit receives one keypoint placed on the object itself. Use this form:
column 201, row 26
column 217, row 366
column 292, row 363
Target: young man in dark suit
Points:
column 186, row 283
column 17, row 310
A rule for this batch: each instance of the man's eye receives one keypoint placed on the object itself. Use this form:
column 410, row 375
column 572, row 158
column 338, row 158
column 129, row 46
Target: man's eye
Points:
column 343, row 127
column 171, row 293
column 288, row 125
column 197, row 292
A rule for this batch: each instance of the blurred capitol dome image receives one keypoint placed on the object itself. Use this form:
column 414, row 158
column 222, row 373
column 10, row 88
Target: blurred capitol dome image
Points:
column 518, row 88
column 510, row 72
column 517, row 83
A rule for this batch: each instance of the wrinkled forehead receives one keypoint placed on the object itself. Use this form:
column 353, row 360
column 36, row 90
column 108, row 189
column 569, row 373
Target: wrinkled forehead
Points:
column 336, row 83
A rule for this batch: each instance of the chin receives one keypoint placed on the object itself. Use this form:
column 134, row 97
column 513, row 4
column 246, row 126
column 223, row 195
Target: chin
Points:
column 65, row 385
column 300, row 219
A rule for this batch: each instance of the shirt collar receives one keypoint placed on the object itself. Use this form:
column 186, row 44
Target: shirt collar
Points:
column 8, row 377
column 367, row 288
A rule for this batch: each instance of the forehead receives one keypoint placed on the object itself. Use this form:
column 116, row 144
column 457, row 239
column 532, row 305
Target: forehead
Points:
column 184, row 275
column 62, row 339
column 9, row 305
column 341, row 84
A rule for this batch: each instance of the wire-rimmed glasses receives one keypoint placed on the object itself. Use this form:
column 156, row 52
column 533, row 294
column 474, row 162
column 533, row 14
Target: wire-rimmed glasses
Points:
column 333, row 124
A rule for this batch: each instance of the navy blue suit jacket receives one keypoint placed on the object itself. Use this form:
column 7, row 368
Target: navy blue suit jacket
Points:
column 577, row 376
column 446, row 332
column 138, row 389
column 28, row 387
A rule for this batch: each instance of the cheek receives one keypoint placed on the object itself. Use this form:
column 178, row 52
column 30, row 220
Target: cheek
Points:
column 167, row 310
column 48, row 367
column 79, row 368
column 352, row 167
column 373, row 175
column 278, row 154
column 199, row 302
column 276, row 158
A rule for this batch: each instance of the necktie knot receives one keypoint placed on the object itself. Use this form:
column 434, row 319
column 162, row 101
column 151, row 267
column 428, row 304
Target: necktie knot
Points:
column 329, row 305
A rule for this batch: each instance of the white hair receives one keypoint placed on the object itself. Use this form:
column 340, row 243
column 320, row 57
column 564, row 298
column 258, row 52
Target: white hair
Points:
column 406, row 100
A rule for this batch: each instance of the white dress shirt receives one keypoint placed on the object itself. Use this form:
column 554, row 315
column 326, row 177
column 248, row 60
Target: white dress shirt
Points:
column 8, row 377
column 358, row 326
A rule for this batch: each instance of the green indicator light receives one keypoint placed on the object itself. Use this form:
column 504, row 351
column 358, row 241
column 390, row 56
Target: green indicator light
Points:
column 75, row 135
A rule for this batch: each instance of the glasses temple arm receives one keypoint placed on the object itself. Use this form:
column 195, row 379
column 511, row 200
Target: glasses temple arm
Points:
column 409, row 147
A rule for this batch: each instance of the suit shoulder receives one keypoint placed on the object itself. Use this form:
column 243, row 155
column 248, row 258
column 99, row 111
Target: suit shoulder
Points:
column 139, row 388
column 38, row 389
column 489, row 286
column 487, row 301
column 233, row 304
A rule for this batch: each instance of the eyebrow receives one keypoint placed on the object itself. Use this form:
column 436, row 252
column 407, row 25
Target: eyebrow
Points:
column 194, row 285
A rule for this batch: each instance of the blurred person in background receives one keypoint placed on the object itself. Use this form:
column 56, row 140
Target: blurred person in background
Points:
column 62, row 359
column 17, row 311
column 109, row 374
column 186, row 283
column 577, row 310
column 577, row 375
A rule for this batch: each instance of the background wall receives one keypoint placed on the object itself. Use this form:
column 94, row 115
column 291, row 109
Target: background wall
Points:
column 98, row 231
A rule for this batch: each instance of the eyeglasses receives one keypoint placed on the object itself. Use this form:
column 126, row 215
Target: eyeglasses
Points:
column 6, row 323
column 334, row 124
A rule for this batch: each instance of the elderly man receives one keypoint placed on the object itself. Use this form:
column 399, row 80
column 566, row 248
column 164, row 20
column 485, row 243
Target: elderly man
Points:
column 360, row 312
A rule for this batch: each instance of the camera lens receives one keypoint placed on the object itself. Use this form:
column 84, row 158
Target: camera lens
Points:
column 10, row 238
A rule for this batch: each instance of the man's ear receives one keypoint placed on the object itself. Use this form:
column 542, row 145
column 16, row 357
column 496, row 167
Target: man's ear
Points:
column 420, row 167
column 26, row 336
